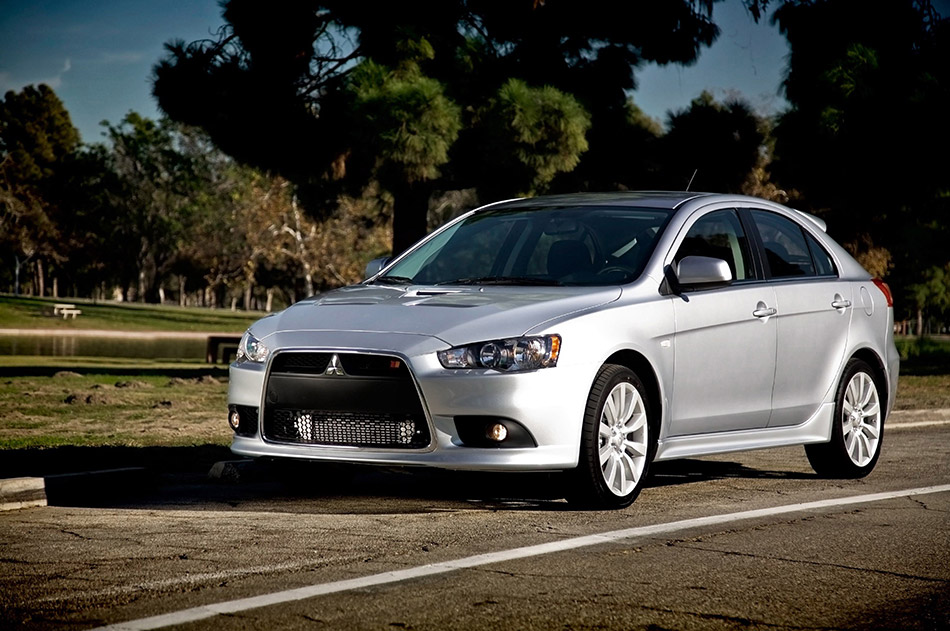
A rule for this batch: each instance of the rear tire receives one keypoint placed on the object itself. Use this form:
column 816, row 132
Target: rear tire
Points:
column 617, row 442
column 857, row 430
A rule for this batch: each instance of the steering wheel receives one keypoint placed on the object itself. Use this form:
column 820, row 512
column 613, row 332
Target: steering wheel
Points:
column 616, row 268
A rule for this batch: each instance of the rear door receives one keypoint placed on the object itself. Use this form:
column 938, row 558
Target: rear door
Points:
column 813, row 316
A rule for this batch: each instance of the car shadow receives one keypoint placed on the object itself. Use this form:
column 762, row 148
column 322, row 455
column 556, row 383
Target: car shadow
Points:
column 209, row 477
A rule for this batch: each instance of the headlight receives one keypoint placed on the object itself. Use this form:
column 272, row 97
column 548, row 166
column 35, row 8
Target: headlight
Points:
column 513, row 354
column 252, row 349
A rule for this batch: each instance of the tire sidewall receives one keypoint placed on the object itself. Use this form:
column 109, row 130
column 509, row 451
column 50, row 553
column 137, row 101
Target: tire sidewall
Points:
column 847, row 467
column 592, row 489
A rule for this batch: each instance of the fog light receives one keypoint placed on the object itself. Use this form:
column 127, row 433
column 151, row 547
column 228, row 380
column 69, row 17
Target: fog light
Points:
column 497, row 432
column 234, row 420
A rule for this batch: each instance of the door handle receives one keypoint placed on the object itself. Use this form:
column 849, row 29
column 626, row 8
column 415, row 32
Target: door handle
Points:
column 763, row 311
column 840, row 303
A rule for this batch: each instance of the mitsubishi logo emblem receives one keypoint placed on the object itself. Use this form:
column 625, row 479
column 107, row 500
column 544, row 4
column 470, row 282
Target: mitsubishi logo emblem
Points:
column 335, row 369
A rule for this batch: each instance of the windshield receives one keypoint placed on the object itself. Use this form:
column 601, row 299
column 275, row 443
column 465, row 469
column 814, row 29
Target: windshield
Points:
column 584, row 245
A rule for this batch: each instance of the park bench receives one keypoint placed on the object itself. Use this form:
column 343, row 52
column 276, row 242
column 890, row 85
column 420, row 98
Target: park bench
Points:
column 226, row 344
column 66, row 310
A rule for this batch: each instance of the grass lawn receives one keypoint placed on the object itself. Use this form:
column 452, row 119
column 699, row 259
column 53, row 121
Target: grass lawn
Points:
column 20, row 312
column 115, row 406
column 923, row 392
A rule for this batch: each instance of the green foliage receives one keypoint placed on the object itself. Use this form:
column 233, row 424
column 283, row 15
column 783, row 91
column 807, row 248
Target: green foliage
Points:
column 924, row 356
column 405, row 119
column 720, row 143
column 37, row 144
column 36, row 134
column 160, row 177
column 932, row 292
column 341, row 96
column 870, row 92
column 530, row 135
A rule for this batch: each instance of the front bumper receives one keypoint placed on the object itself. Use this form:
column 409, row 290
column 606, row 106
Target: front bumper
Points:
column 549, row 404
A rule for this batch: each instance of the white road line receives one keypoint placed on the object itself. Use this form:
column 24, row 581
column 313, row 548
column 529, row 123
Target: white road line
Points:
column 321, row 589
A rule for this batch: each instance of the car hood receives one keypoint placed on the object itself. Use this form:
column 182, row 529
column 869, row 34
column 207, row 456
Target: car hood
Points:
column 456, row 315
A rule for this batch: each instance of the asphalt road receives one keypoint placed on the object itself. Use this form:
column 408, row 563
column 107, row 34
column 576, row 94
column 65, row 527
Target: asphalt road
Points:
column 372, row 549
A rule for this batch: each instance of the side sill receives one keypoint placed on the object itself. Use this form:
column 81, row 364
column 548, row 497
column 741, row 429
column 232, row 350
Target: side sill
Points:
column 816, row 429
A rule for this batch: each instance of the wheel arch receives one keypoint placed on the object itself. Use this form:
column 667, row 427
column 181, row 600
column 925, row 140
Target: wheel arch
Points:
column 639, row 364
column 872, row 359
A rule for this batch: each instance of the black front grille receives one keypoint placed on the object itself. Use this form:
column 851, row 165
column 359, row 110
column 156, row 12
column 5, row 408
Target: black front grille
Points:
column 371, row 402
column 357, row 429
column 353, row 364
column 301, row 363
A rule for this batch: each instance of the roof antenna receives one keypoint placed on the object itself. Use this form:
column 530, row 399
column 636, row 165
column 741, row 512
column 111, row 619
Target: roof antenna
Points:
column 691, row 179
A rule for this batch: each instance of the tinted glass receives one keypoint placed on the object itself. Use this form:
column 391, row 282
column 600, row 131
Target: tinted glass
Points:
column 537, row 246
column 786, row 251
column 824, row 264
column 719, row 235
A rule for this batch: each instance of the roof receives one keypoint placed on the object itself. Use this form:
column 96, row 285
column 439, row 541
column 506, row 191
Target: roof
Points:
column 653, row 199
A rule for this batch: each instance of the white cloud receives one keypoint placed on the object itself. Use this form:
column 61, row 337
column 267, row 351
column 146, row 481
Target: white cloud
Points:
column 9, row 82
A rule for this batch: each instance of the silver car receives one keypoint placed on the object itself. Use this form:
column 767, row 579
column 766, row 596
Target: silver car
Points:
column 590, row 333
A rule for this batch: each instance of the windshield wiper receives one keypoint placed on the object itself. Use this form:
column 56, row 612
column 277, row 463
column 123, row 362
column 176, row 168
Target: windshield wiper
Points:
column 392, row 280
column 503, row 280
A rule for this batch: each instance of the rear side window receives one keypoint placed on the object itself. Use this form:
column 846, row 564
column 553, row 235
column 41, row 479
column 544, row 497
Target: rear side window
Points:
column 786, row 251
column 824, row 264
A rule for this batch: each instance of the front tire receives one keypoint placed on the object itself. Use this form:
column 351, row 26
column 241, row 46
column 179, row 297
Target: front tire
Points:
column 617, row 441
column 857, row 430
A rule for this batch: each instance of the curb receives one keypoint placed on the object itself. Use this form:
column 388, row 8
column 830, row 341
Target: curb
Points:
column 16, row 493
column 88, row 487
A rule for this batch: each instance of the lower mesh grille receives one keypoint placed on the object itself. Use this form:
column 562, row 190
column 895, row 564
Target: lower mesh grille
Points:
column 357, row 429
column 367, row 400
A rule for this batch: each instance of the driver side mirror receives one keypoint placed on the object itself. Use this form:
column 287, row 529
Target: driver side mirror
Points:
column 374, row 266
column 702, row 271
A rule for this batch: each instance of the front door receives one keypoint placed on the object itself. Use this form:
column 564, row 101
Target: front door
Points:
column 725, row 339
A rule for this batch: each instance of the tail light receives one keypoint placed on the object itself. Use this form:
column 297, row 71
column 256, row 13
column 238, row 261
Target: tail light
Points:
column 884, row 290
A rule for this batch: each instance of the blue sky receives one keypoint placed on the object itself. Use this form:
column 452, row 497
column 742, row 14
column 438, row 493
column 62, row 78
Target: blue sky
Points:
column 98, row 56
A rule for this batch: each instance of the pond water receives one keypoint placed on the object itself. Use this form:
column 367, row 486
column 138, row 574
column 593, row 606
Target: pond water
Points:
column 93, row 346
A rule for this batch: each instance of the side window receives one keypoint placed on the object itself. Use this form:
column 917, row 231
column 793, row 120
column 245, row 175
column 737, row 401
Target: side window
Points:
column 824, row 264
column 719, row 235
column 786, row 251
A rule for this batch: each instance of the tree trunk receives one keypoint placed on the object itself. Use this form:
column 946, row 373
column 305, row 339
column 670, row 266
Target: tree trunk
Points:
column 920, row 322
column 270, row 299
column 181, row 290
column 248, row 289
column 410, row 214
column 16, row 276
column 40, row 279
